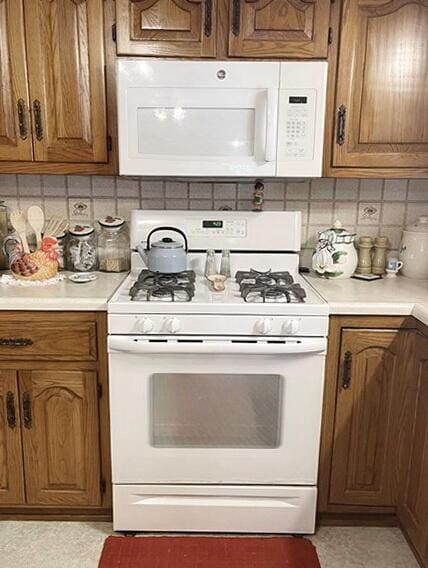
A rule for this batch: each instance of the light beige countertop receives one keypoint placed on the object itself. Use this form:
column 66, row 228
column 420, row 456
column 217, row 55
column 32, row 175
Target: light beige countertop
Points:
column 397, row 296
column 63, row 296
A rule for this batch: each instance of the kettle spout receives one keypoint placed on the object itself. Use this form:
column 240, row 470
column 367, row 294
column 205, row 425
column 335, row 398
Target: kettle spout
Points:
column 142, row 252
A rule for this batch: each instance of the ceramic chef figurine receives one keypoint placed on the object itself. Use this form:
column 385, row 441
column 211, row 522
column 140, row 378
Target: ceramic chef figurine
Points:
column 335, row 255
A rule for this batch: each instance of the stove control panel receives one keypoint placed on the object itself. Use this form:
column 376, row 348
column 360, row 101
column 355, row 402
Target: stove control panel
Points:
column 219, row 227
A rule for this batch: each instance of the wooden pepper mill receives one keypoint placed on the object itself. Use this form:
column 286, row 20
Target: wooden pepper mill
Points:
column 365, row 245
column 379, row 258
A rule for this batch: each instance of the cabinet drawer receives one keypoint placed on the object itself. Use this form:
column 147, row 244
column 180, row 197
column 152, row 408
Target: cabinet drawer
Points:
column 48, row 339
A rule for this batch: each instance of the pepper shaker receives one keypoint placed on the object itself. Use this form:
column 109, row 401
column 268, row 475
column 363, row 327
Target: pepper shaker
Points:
column 365, row 245
column 225, row 263
column 379, row 258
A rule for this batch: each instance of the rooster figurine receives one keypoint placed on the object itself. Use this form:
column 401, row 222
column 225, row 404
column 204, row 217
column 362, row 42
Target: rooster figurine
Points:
column 41, row 264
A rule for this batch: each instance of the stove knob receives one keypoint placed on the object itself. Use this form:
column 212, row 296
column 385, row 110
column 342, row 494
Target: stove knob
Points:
column 145, row 325
column 173, row 325
column 264, row 326
column 291, row 327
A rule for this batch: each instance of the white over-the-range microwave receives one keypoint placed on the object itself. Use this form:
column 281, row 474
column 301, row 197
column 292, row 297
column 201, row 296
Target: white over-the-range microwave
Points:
column 221, row 118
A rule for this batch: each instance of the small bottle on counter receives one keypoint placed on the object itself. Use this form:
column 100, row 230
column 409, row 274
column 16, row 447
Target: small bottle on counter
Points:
column 225, row 263
column 379, row 259
column 365, row 245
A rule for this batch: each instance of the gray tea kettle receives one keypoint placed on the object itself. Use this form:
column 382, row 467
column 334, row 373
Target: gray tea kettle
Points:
column 167, row 255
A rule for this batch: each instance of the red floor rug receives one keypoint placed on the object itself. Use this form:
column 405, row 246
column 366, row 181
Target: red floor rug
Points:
column 208, row 552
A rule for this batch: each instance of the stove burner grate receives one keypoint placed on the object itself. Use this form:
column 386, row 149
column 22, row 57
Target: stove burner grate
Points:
column 152, row 286
column 269, row 286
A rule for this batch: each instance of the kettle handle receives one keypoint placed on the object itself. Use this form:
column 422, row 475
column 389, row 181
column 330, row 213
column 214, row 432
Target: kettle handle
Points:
column 174, row 229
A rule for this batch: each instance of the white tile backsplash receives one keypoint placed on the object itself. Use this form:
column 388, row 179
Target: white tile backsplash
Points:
column 322, row 200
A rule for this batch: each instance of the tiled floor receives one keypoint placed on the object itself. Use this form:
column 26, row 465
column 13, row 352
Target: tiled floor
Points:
column 78, row 545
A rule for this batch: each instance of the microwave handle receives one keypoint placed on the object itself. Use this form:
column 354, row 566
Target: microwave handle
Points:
column 270, row 146
column 135, row 344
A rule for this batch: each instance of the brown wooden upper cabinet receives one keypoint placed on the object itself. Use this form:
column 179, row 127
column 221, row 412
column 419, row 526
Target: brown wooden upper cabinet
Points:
column 197, row 28
column 279, row 28
column 382, row 84
column 52, row 95
column 174, row 28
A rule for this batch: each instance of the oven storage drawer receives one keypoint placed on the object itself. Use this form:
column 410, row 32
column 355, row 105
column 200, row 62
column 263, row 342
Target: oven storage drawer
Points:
column 214, row 508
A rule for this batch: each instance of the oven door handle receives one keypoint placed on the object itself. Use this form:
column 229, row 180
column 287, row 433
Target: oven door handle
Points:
column 136, row 344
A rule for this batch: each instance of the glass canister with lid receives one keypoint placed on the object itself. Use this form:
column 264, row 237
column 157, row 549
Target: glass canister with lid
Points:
column 113, row 245
column 82, row 249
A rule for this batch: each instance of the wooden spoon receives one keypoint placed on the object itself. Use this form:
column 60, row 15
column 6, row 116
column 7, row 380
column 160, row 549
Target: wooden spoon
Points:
column 36, row 218
column 19, row 221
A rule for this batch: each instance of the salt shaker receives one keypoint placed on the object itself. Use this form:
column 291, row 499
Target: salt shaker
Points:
column 210, row 263
column 225, row 263
column 365, row 245
column 379, row 258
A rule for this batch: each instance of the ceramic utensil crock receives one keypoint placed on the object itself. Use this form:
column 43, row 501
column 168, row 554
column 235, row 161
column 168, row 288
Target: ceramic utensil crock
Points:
column 335, row 255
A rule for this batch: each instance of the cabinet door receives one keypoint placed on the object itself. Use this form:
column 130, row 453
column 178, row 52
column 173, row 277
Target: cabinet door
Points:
column 60, row 437
column 413, row 502
column 279, row 28
column 366, row 432
column 382, row 102
column 11, row 470
column 67, row 84
column 15, row 129
column 173, row 28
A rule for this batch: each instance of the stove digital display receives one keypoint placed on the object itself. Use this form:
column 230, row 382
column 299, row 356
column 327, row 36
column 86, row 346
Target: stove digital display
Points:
column 212, row 224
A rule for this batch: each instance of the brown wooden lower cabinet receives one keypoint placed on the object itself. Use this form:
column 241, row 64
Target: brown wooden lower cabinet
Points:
column 374, row 450
column 413, row 499
column 54, row 439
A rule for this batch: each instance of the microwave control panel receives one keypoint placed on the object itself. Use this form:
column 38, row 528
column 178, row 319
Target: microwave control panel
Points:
column 298, row 124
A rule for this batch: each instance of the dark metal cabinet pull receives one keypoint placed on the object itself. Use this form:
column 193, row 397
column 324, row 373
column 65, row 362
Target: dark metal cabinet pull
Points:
column 341, row 124
column 208, row 18
column 22, row 120
column 15, row 342
column 10, row 409
column 236, row 17
column 26, row 408
column 38, row 123
column 347, row 368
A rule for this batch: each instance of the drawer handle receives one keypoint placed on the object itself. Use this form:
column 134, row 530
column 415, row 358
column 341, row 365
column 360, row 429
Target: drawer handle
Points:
column 15, row 342
column 347, row 367
column 26, row 407
column 10, row 409
column 236, row 17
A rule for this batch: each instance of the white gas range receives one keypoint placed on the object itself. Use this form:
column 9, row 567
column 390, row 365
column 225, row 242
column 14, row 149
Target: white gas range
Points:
column 216, row 397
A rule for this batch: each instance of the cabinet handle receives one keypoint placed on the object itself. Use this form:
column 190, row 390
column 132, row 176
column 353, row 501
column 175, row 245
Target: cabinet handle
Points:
column 26, row 407
column 22, row 119
column 10, row 409
column 347, row 367
column 15, row 342
column 341, row 124
column 208, row 18
column 236, row 17
column 38, row 123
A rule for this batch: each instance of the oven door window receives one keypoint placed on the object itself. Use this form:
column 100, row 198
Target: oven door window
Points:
column 215, row 410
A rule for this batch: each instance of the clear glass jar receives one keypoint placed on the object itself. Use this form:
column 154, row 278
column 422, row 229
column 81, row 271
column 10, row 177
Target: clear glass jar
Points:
column 82, row 249
column 114, row 250
column 61, row 249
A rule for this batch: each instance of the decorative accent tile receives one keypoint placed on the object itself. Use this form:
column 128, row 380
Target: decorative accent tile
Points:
column 369, row 213
column 79, row 209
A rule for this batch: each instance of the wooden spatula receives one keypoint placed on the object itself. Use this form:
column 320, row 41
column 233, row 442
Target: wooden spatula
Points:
column 36, row 218
column 19, row 221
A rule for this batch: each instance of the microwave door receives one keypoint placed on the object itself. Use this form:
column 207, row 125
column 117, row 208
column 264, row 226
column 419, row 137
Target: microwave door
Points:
column 202, row 132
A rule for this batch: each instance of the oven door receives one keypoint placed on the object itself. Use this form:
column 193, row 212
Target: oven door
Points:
column 212, row 411
column 198, row 131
